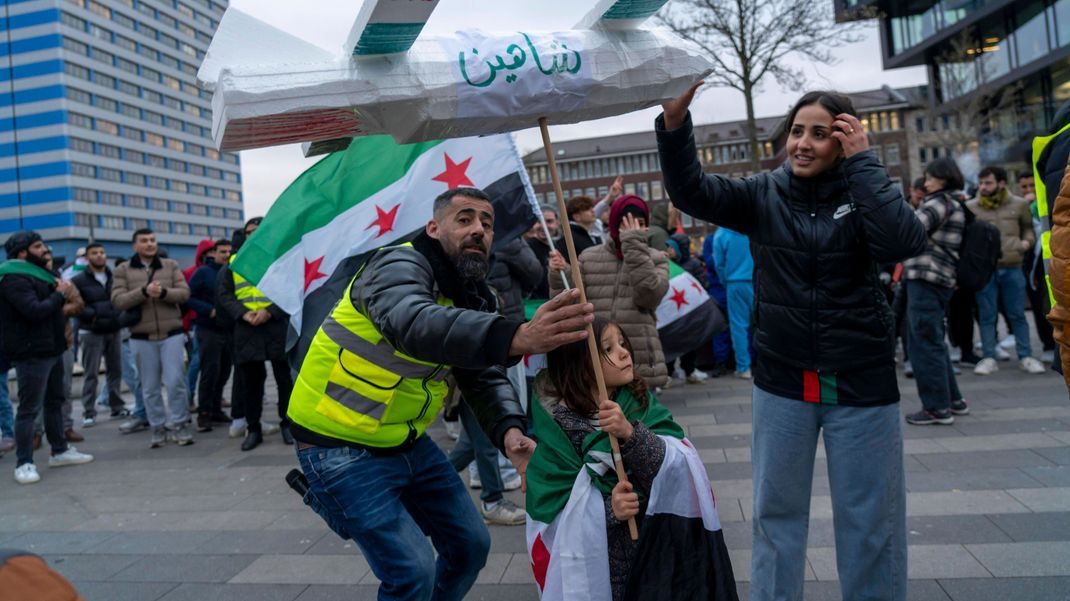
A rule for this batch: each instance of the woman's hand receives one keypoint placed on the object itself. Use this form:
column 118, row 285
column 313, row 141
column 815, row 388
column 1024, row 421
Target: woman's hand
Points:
column 851, row 135
column 612, row 421
column 676, row 109
column 631, row 223
column 625, row 502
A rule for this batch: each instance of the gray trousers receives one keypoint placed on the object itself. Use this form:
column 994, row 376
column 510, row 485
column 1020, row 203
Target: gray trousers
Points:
column 68, row 377
column 94, row 348
column 161, row 364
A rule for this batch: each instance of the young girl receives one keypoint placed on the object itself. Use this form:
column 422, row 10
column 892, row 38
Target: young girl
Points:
column 578, row 534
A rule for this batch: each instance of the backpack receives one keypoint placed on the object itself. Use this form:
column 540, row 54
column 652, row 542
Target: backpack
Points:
column 980, row 252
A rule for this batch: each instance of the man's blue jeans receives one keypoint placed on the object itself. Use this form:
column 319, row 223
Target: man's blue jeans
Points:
column 473, row 445
column 864, row 446
column 1007, row 283
column 926, row 311
column 389, row 505
column 7, row 412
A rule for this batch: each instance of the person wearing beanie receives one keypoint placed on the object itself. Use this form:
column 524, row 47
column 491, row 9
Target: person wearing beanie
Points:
column 625, row 279
column 33, row 338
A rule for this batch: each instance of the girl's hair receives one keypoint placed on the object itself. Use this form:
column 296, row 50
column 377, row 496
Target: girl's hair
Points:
column 570, row 374
column 832, row 102
column 947, row 170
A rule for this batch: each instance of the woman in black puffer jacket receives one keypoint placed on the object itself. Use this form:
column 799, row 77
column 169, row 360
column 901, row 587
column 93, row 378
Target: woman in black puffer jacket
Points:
column 824, row 338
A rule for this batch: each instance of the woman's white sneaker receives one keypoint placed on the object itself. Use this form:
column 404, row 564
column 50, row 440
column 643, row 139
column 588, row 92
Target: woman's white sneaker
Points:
column 985, row 367
column 27, row 474
column 69, row 457
column 1031, row 365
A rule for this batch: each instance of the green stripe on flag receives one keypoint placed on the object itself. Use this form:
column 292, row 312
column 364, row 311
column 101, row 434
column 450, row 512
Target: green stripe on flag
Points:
column 330, row 187
column 829, row 396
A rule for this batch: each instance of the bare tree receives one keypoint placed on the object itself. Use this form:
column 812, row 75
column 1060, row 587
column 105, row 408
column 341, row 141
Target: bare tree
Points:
column 749, row 40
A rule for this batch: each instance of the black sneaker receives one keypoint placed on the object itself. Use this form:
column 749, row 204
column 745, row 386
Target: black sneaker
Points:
column 116, row 413
column 925, row 418
column 969, row 358
column 960, row 407
column 204, row 423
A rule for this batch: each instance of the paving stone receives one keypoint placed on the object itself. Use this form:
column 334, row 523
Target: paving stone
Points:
column 1042, row 499
column 510, row 592
column 998, row 442
column 154, row 543
column 339, row 593
column 964, row 503
column 88, row 567
column 1013, row 560
column 721, row 442
column 184, row 568
column 917, row 590
column 264, row 460
column 58, row 542
column 304, row 569
column 923, row 561
column 954, row 529
column 302, row 519
column 982, row 479
column 508, row 539
column 1008, row 589
column 741, row 559
column 123, row 591
column 728, row 471
column 1057, row 476
column 1059, row 455
column 170, row 521
column 518, row 571
column 262, row 541
column 332, row 544
column 945, row 461
column 24, row 522
column 235, row 592
column 982, row 428
column 153, row 504
column 495, row 568
column 719, row 430
column 1026, row 527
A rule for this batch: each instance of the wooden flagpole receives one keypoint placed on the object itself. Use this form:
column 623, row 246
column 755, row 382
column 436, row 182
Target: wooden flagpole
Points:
column 592, row 344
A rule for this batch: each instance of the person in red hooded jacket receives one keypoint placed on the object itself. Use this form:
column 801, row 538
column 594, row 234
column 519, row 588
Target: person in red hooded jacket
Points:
column 193, row 370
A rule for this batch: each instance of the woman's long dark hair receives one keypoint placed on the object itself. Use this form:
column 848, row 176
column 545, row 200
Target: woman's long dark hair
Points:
column 832, row 102
column 570, row 375
column 948, row 171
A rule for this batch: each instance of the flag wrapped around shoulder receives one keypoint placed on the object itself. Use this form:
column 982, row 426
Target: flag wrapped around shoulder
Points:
column 687, row 315
column 373, row 194
column 681, row 552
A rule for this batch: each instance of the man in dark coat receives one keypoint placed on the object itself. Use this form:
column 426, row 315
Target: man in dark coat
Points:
column 99, row 327
column 214, row 338
column 31, row 309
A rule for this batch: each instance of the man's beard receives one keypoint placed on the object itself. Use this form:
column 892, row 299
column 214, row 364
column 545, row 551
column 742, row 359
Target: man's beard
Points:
column 471, row 267
column 41, row 261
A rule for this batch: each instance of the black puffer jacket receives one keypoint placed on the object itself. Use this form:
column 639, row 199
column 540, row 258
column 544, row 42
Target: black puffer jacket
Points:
column 397, row 291
column 514, row 272
column 32, row 313
column 252, row 344
column 99, row 315
column 816, row 243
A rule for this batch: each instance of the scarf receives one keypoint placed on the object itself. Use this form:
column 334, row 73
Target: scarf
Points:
column 994, row 202
column 25, row 268
column 629, row 203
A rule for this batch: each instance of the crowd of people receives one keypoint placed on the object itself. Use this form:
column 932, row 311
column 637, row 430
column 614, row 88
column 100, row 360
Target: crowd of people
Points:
column 820, row 266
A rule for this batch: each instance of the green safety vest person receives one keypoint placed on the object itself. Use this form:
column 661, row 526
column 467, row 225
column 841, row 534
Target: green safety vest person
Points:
column 249, row 295
column 372, row 381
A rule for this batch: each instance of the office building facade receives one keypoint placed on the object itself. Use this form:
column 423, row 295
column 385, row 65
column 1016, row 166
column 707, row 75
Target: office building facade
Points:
column 103, row 129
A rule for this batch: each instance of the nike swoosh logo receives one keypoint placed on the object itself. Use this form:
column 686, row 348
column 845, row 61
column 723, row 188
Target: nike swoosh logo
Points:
column 843, row 210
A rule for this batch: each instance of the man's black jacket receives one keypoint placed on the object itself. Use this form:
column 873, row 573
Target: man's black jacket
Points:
column 819, row 303
column 397, row 291
column 32, row 313
column 99, row 315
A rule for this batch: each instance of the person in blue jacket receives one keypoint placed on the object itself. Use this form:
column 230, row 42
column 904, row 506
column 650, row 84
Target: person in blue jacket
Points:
column 722, row 343
column 733, row 262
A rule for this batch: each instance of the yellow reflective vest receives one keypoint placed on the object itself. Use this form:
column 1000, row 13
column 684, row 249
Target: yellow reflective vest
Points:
column 1043, row 206
column 354, row 386
column 244, row 291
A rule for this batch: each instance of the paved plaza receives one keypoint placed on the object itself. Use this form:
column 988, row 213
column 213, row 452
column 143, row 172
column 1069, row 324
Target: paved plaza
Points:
column 988, row 508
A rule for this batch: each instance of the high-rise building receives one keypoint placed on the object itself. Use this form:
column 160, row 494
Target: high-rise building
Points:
column 103, row 129
column 1001, row 65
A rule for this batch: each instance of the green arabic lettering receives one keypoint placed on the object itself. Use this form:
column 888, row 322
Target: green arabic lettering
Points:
column 493, row 69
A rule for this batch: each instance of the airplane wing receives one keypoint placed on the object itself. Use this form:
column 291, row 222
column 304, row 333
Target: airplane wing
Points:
column 388, row 26
column 620, row 14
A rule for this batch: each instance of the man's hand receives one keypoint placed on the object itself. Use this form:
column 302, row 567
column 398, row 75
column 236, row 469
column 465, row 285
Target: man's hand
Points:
column 249, row 317
column 556, row 323
column 154, row 290
column 262, row 317
column 676, row 109
column 625, row 502
column 212, row 314
column 62, row 286
column 519, row 448
column 1026, row 245
column 557, row 262
column 616, row 189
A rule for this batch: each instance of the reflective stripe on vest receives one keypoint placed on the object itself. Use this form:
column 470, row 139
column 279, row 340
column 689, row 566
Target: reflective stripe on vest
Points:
column 1043, row 210
column 354, row 386
column 247, row 294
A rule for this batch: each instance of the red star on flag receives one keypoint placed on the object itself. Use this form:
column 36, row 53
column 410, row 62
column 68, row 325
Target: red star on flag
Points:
column 385, row 220
column 697, row 288
column 454, row 176
column 312, row 272
column 678, row 297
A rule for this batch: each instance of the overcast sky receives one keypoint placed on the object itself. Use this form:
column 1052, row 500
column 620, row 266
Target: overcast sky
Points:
column 326, row 23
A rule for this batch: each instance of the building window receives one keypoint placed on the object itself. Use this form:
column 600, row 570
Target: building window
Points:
column 80, row 145
column 106, row 104
column 656, row 191
column 109, row 151
column 111, row 175
column 182, row 228
column 158, row 204
column 83, row 220
column 76, row 71
column 891, row 155
column 104, row 80
column 75, row 46
column 72, row 21
column 137, row 224
column 111, row 222
column 179, row 207
column 135, row 179
column 923, row 156
column 894, row 120
column 84, row 195
column 111, row 198
column 136, row 201
column 83, row 170
column 134, row 156
column 154, row 139
column 132, row 133
column 158, row 182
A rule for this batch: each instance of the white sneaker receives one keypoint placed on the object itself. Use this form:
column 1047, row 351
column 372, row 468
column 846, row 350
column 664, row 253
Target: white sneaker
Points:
column 69, row 457
column 268, row 428
column 512, row 483
column 1031, row 365
column 453, row 429
column 908, row 369
column 669, row 383
column 678, row 373
column 693, row 379
column 744, row 375
column 504, row 513
column 701, row 375
column 27, row 474
column 1001, row 354
column 473, row 481
column 1008, row 342
column 237, row 428
column 89, row 422
column 1048, row 357
column 986, row 366
column 955, row 354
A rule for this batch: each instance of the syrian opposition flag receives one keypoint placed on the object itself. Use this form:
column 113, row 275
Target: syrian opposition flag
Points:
column 373, row 194
column 681, row 553
column 687, row 315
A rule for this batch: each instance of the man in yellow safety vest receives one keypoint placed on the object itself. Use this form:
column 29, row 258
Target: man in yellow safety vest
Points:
column 374, row 379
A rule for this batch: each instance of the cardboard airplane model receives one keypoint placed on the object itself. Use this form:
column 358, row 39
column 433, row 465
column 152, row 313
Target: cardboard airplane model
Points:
column 271, row 88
